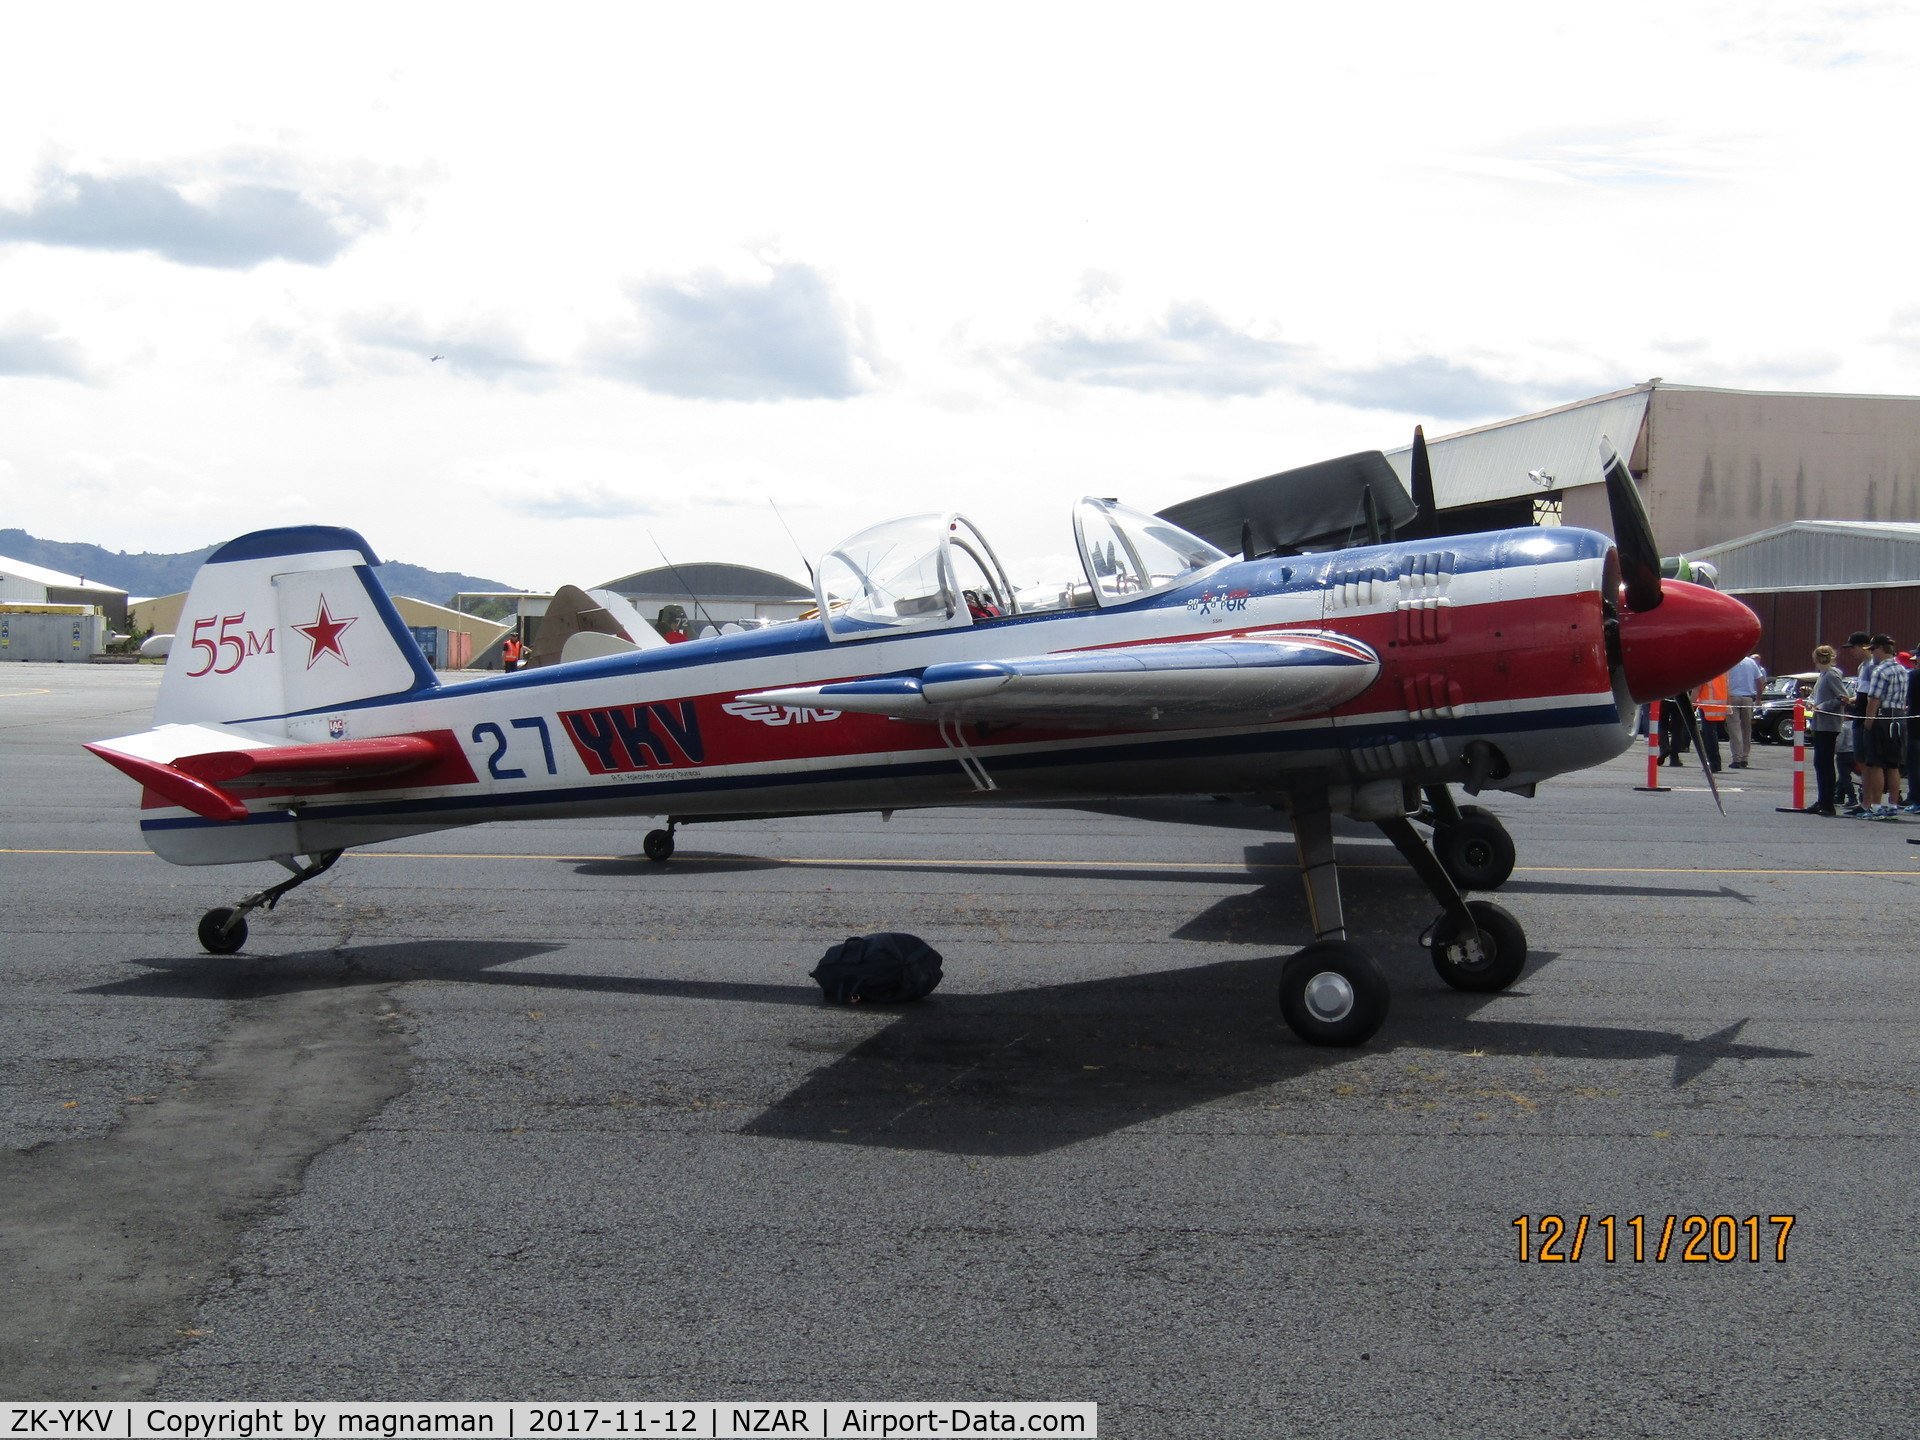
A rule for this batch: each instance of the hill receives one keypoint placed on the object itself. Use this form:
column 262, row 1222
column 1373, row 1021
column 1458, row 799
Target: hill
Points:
column 152, row 574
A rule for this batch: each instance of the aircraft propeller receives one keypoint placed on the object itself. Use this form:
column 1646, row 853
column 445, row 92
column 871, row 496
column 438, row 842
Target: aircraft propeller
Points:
column 1632, row 534
column 1667, row 647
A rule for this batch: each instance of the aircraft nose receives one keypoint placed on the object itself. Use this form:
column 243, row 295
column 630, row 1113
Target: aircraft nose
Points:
column 1693, row 635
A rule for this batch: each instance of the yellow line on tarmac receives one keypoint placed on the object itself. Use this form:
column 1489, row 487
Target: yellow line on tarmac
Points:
column 1070, row 864
column 10, row 694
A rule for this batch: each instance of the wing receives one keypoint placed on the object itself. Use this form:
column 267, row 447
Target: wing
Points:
column 1278, row 676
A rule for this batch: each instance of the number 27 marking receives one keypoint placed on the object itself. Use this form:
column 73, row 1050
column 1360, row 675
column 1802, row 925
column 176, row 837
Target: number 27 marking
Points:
column 529, row 722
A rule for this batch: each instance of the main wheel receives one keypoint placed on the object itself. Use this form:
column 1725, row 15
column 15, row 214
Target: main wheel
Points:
column 658, row 845
column 1503, row 949
column 1333, row 993
column 1476, row 851
column 216, row 937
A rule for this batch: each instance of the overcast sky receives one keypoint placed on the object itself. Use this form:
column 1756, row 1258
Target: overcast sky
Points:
column 868, row 261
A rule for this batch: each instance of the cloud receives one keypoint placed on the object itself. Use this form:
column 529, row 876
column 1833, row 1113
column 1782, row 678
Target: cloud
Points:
column 29, row 346
column 488, row 349
column 1425, row 385
column 224, row 223
column 707, row 337
column 1188, row 349
column 1191, row 350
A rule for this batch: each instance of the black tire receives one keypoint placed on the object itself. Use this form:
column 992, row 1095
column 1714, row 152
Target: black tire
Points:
column 1476, row 851
column 658, row 845
column 1503, row 947
column 213, row 941
column 1333, row 993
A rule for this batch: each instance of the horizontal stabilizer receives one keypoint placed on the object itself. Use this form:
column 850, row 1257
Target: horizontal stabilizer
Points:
column 279, row 765
column 1277, row 677
column 203, row 781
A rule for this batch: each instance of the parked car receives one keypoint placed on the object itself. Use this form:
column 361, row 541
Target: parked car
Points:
column 1773, row 714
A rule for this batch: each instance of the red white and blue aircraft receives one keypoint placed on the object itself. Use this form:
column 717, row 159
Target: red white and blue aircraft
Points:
column 297, row 718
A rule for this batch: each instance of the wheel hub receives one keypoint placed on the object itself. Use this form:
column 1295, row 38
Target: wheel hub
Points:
column 1329, row 996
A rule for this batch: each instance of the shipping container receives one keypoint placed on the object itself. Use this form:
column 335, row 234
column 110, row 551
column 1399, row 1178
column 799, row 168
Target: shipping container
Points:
column 43, row 636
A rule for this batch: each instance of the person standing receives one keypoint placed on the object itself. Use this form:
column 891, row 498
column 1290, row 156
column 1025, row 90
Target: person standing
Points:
column 1827, row 714
column 1883, row 688
column 1855, row 738
column 511, row 650
column 1711, row 698
column 1743, row 693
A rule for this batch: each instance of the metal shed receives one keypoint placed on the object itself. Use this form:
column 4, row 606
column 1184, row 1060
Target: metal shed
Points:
column 1815, row 582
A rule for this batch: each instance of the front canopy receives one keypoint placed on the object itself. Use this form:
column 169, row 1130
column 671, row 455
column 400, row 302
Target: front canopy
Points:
column 920, row 572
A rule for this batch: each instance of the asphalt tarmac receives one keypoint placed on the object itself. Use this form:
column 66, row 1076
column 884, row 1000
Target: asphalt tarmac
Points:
column 511, row 1113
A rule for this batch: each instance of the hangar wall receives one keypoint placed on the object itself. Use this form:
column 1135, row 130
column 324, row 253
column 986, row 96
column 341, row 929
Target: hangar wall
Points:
column 1725, row 463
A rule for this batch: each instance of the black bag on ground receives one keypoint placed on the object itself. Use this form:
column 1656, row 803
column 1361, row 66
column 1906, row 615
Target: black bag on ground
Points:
column 883, row 969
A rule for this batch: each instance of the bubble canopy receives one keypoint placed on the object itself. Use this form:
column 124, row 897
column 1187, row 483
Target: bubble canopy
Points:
column 1129, row 553
column 937, row 571
column 914, row 573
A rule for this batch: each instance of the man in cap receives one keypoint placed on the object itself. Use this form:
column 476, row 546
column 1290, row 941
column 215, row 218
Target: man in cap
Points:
column 1883, row 689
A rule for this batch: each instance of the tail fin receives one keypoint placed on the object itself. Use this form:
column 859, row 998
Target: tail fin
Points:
column 287, row 622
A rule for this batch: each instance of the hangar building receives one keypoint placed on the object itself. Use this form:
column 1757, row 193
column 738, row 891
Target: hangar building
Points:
column 24, row 584
column 1815, row 582
column 721, row 591
column 1713, row 465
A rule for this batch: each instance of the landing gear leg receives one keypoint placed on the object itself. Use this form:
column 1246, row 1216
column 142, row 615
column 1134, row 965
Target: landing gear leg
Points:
column 223, row 930
column 1469, row 841
column 659, row 843
column 1333, row 991
column 1475, row 944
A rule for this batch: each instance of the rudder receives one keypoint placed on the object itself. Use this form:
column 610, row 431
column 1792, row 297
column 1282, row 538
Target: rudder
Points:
column 286, row 623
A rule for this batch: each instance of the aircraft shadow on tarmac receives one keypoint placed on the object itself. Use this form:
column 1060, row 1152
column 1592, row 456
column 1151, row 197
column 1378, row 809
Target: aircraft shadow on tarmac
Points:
column 1032, row 1070
column 1027, row 1071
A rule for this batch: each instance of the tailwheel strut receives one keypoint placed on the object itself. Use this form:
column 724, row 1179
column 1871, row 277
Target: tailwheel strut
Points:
column 223, row 930
column 658, row 846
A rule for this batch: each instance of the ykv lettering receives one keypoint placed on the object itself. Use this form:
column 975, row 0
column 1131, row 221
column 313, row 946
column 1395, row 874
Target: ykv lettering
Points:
column 243, row 644
column 636, row 737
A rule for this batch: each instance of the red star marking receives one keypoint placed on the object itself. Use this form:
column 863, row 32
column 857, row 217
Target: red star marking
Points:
column 323, row 635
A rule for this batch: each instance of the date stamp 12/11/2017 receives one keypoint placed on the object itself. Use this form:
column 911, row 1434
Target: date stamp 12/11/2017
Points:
column 1698, row 1239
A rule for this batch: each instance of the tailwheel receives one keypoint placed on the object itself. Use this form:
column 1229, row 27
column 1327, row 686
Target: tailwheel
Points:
column 221, row 932
column 1476, row 851
column 1494, row 963
column 1333, row 993
column 658, row 846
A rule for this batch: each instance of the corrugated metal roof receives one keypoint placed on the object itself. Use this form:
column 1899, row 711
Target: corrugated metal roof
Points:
column 1819, row 555
column 1492, row 461
column 40, row 575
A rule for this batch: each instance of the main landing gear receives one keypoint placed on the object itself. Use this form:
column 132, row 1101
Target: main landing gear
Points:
column 223, row 930
column 1333, row 992
column 1469, row 841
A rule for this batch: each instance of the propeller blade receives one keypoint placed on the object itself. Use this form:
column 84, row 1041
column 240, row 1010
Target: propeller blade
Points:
column 1632, row 533
column 1699, row 748
column 1423, row 502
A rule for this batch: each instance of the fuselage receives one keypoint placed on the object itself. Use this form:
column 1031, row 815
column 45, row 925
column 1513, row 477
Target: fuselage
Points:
column 1498, row 639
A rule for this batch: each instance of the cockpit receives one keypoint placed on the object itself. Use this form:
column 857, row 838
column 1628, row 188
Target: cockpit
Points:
column 937, row 571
